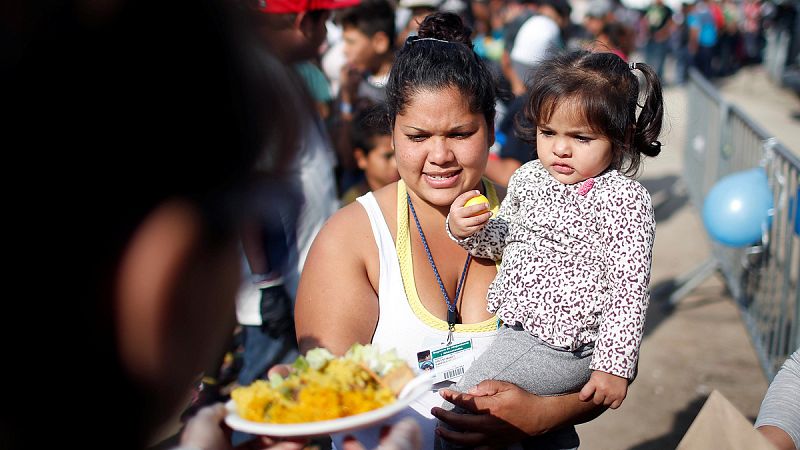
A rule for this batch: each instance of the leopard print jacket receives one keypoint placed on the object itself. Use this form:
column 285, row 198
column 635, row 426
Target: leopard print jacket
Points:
column 575, row 262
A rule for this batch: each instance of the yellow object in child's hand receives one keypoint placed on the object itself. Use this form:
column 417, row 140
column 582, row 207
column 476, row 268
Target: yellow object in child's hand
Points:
column 477, row 200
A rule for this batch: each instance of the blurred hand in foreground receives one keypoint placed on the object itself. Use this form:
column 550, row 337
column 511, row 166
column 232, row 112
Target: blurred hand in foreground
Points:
column 404, row 435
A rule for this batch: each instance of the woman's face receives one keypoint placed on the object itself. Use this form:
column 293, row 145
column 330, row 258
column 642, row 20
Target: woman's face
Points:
column 441, row 147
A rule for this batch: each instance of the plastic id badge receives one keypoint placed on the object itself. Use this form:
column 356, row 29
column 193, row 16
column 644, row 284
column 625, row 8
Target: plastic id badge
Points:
column 448, row 362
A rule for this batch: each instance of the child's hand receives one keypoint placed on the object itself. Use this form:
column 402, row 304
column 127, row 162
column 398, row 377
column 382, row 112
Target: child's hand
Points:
column 465, row 221
column 605, row 389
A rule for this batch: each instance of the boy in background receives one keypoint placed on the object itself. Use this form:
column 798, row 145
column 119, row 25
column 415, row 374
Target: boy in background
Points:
column 373, row 152
column 368, row 32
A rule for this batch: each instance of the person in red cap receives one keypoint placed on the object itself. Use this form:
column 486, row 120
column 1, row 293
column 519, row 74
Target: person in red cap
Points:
column 293, row 30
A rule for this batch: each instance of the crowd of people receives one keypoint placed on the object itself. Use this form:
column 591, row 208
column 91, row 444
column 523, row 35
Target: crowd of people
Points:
column 298, row 170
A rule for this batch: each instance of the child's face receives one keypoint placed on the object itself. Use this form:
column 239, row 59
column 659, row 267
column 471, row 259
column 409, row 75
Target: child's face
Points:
column 568, row 148
column 361, row 51
column 379, row 165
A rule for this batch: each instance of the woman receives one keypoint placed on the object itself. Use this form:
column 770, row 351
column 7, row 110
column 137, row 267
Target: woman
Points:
column 383, row 270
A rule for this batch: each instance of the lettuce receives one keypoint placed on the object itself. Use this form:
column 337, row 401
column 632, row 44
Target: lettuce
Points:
column 370, row 357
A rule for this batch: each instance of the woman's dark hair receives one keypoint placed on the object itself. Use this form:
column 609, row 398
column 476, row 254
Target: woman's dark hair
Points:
column 607, row 90
column 440, row 57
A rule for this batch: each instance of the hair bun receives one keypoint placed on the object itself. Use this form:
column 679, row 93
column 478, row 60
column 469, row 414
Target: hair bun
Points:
column 447, row 27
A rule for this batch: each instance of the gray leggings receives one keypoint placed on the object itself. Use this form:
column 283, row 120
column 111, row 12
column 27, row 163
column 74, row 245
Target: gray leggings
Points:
column 518, row 357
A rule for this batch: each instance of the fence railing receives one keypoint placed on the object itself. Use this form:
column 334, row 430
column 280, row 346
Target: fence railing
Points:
column 762, row 278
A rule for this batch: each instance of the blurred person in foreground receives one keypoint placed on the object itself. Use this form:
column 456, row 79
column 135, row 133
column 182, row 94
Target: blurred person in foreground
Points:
column 277, row 239
column 155, row 119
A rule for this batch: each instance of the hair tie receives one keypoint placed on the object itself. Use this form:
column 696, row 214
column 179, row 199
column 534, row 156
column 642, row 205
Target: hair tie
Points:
column 656, row 145
column 633, row 67
column 412, row 39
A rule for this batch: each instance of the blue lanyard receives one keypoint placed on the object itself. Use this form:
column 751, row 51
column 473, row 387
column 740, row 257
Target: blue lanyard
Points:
column 452, row 312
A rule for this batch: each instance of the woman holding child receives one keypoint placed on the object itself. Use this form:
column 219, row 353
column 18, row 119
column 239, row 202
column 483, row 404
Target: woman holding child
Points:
column 384, row 271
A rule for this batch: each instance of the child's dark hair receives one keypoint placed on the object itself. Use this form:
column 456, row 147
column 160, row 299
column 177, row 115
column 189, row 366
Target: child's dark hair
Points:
column 440, row 57
column 607, row 90
column 369, row 123
column 371, row 17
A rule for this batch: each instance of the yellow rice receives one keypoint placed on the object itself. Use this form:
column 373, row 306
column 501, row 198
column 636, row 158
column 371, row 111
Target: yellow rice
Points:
column 341, row 388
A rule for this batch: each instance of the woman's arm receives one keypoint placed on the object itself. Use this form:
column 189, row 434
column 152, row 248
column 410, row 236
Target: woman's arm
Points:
column 502, row 414
column 336, row 304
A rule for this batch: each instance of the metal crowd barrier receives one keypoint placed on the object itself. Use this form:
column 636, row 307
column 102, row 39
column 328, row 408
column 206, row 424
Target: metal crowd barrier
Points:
column 762, row 278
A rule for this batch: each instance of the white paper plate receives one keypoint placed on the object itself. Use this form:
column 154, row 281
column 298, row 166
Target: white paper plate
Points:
column 413, row 390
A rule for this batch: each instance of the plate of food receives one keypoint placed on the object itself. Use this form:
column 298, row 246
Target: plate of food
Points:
column 325, row 394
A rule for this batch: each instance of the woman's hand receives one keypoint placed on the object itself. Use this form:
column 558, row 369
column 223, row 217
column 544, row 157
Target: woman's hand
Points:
column 206, row 431
column 503, row 414
column 498, row 410
column 464, row 221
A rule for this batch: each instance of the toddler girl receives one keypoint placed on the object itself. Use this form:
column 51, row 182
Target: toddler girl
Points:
column 575, row 234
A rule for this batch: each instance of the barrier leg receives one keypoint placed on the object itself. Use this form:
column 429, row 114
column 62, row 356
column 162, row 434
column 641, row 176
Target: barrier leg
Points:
column 690, row 280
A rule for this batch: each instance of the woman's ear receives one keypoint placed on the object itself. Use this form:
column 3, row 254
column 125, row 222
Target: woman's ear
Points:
column 150, row 270
column 380, row 43
column 361, row 158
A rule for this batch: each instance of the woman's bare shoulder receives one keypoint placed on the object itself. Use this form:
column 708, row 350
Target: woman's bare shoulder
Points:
column 387, row 201
column 345, row 228
column 337, row 285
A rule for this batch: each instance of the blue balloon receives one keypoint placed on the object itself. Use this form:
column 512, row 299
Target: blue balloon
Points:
column 738, row 207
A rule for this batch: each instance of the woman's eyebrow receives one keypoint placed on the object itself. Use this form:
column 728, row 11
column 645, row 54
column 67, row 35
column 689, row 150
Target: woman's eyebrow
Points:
column 461, row 126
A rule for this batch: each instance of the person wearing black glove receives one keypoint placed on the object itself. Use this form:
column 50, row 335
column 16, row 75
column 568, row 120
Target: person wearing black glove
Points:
column 276, row 307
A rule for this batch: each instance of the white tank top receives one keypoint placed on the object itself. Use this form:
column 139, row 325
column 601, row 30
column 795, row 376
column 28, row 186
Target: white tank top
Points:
column 403, row 322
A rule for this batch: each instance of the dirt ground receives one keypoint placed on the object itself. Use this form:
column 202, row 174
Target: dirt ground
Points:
column 701, row 345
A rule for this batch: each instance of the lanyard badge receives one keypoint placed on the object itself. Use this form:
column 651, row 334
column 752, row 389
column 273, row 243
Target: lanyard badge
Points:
column 447, row 362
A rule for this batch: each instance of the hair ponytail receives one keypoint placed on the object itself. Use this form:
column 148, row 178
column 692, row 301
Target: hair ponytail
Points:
column 648, row 124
